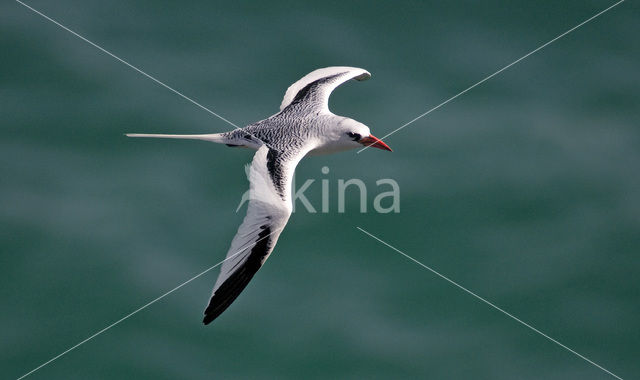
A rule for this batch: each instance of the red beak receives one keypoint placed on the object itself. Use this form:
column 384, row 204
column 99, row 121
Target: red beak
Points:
column 374, row 142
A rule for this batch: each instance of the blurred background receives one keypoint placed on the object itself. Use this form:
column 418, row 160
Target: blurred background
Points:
column 524, row 190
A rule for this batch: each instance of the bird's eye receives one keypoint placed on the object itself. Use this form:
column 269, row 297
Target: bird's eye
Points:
column 354, row 136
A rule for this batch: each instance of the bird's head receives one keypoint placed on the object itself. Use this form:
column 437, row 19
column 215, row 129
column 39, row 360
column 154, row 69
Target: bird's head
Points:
column 351, row 134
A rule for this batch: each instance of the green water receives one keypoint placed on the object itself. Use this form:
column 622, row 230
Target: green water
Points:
column 525, row 190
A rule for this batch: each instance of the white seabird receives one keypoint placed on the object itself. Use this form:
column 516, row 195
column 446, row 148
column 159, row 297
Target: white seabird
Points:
column 303, row 126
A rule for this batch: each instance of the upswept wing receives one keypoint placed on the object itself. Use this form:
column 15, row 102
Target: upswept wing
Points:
column 315, row 88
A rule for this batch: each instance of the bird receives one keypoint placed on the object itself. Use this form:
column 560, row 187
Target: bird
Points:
column 303, row 126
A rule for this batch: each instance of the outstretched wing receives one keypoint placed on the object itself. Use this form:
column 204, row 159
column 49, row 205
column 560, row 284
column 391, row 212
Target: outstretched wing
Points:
column 269, row 209
column 314, row 88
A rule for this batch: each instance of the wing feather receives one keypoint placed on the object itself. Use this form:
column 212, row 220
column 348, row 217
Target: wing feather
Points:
column 267, row 214
column 316, row 86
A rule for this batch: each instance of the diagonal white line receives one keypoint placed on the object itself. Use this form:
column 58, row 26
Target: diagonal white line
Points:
column 143, row 73
column 128, row 64
column 489, row 303
column 138, row 310
column 496, row 73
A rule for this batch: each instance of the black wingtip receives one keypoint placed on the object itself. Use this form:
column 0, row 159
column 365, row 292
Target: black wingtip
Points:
column 214, row 310
column 226, row 293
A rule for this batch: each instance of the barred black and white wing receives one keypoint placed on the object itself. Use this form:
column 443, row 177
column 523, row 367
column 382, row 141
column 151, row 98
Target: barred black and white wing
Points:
column 269, row 208
column 315, row 88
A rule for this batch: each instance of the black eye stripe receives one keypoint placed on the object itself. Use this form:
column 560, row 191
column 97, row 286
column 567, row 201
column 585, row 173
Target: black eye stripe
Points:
column 354, row 136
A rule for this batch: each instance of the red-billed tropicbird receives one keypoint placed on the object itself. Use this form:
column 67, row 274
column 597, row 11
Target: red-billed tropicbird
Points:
column 303, row 126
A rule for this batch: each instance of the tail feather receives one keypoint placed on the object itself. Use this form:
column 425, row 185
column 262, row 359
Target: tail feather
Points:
column 213, row 137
